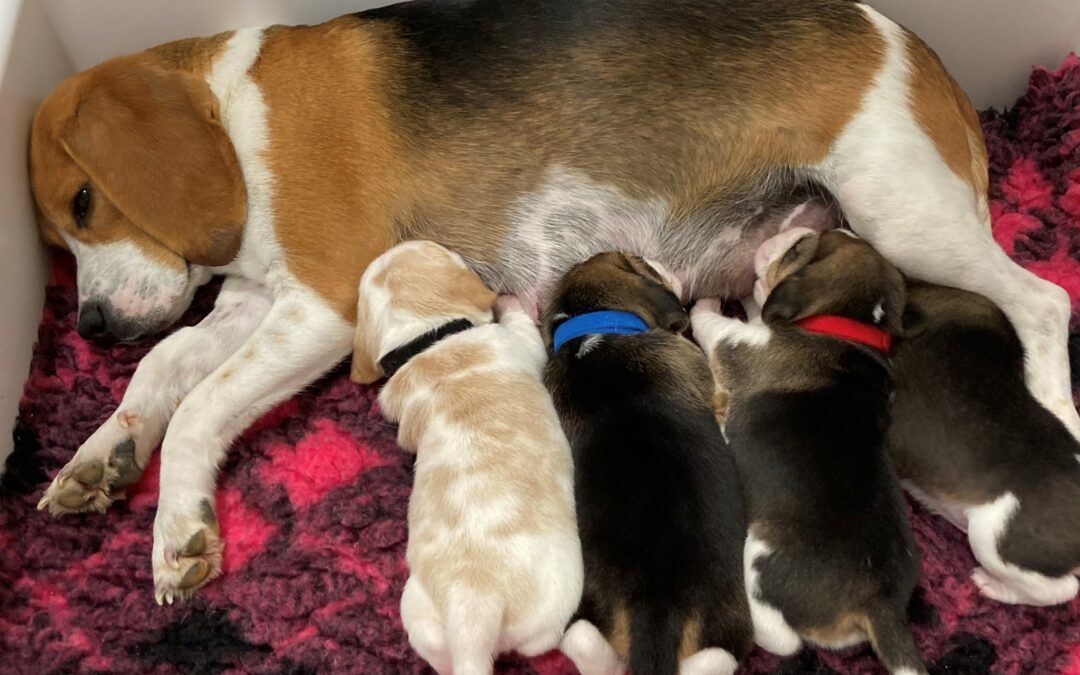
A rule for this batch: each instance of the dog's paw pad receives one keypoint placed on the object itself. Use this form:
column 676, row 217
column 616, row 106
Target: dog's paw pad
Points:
column 80, row 486
column 191, row 564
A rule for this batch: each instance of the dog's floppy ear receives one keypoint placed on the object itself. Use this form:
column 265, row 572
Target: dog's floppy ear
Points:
column 150, row 139
column 365, row 369
column 788, row 301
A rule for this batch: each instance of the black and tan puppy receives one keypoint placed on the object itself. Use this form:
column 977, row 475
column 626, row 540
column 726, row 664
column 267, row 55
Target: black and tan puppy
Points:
column 971, row 443
column 829, row 557
column 658, row 503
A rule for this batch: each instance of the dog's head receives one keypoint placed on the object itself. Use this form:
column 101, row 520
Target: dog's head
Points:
column 411, row 289
column 830, row 273
column 617, row 281
column 133, row 172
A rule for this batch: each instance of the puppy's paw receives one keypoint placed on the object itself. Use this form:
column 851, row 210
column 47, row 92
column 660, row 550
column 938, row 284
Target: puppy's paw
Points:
column 991, row 587
column 706, row 306
column 92, row 480
column 507, row 303
column 187, row 552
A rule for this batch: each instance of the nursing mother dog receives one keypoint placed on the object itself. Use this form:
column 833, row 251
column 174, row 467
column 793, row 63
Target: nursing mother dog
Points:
column 526, row 136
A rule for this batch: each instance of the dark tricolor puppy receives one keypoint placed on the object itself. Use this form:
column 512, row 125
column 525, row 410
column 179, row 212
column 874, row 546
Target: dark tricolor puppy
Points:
column 829, row 557
column 658, row 503
column 972, row 443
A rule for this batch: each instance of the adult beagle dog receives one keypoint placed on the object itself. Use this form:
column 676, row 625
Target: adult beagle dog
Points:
column 524, row 135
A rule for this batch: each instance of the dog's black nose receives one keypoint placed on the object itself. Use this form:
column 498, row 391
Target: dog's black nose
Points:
column 92, row 322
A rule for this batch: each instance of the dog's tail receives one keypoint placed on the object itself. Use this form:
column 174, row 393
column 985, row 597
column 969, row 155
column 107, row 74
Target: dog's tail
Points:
column 891, row 638
column 473, row 627
column 655, row 636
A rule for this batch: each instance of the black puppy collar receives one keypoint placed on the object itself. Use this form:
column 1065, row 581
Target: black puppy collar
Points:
column 395, row 359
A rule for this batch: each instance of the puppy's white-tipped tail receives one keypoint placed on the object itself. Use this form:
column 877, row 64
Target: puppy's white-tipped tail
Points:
column 473, row 627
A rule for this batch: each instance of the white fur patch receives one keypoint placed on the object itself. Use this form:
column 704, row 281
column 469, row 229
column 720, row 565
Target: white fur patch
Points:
column 771, row 630
column 244, row 116
column 1001, row 580
column 879, row 311
column 586, row 647
column 133, row 286
column 588, row 344
column 713, row 661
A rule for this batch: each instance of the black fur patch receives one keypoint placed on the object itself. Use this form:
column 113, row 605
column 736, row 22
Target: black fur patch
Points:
column 24, row 472
column 968, row 655
column 204, row 641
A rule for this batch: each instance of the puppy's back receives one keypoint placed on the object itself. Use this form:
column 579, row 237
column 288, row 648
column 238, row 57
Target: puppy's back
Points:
column 966, row 428
column 658, row 503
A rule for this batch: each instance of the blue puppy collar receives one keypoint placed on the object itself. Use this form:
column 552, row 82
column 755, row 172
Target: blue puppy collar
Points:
column 598, row 323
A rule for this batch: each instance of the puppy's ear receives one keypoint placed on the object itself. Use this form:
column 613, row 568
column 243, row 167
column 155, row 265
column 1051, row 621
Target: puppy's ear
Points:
column 150, row 139
column 365, row 369
column 895, row 300
column 788, row 300
column 785, row 303
column 663, row 310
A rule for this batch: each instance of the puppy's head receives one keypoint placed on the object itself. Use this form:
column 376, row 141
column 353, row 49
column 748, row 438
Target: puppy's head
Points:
column 133, row 172
column 617, row 281
column 831, row 273
column 411, row 289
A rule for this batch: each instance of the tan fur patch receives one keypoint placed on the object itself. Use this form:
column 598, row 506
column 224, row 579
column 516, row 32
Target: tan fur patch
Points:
column 691, row 637
column 944, row 113
column 619, row 637
column 334, row 150
column 425, row 281
column 840, row 631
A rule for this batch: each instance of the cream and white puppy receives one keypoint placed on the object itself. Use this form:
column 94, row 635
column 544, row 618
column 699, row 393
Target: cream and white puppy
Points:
column 494, row 556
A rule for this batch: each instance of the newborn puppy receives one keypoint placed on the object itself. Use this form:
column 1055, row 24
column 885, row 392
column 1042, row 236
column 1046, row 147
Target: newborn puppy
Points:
column 493, row 552
column 973, row 445
column 829, row 558
column 658, row 502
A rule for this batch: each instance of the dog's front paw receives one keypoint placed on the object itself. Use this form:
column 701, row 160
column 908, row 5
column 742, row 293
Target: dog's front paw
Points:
column 92, row 480
column 187, row 552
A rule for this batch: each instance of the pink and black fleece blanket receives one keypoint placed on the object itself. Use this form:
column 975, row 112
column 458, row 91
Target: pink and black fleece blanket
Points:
column 313, row 498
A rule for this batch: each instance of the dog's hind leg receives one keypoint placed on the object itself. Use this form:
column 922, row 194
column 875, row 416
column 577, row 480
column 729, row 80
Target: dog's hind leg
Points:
column 909, row 172
column 424, row 625
column 1000, row 580
column 115, row 455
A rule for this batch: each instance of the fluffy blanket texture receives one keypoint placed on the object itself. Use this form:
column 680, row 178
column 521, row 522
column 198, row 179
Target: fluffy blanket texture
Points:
column 313, row 499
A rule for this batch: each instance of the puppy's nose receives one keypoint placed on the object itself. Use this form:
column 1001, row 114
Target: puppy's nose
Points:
column 92, row 322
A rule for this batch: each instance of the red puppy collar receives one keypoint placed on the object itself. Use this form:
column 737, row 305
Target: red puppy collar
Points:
column 848, row 329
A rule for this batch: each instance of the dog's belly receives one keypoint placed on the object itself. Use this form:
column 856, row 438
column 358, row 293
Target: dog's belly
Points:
column 710, row 248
